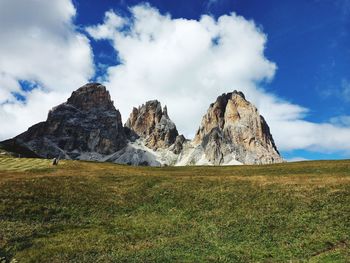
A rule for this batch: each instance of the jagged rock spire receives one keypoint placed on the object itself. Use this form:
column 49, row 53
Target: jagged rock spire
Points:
column 153, row 124
column 165, row 112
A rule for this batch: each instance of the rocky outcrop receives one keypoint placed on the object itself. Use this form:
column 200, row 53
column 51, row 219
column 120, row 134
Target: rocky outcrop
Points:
column 153, row 124
column 132, row 155
column 178, row 145
column 87, row 123
column 88, row 127
column 233, row 129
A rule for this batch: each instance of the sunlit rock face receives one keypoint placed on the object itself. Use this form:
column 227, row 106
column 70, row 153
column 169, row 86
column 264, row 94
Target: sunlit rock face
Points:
column 232, row 128
column 88, row 127
column 152, row 123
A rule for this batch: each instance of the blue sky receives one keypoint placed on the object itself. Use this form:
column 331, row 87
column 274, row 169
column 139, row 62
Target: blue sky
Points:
column 308, row 42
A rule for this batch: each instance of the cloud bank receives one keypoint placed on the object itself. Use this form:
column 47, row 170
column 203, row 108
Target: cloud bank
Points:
column 39, row 44
column 186, row 64
column 183, row 63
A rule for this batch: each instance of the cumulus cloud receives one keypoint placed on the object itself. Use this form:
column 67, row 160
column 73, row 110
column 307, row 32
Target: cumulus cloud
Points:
column 343, row 120
column 40, row 44
column 186, row 64
column 17, row 117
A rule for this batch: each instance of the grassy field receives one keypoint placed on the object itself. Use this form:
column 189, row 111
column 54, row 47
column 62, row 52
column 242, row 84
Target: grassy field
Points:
column 91, row 212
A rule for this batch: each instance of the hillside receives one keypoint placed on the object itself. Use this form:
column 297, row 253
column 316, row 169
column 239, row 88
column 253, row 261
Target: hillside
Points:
column 102, row 212
column 4, row 153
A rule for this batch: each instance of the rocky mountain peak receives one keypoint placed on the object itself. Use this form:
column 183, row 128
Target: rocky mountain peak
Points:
column 233, row 127
column 87, row 124
column 165, row 112
column 239, row 93
column 91, row 96
column 153, row 124
column 88, row 127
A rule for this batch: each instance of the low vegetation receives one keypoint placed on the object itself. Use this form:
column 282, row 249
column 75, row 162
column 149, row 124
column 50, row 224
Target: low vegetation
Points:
column 99, row 212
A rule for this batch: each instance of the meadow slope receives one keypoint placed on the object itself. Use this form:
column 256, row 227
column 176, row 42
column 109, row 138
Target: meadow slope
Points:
column 100, row 212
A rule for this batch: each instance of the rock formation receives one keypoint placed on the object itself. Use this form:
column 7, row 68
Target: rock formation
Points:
column 231, row 129
column 153, row 124
column 178, row 144
column 88, row 127
column 87, row 123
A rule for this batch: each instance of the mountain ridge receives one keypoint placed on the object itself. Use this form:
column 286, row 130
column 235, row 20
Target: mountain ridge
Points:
column 89, row 127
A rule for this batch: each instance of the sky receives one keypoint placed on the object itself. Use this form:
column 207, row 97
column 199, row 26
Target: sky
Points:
column 290, row 58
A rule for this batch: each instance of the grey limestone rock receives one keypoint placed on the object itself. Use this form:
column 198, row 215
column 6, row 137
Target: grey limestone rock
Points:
column 233, row 126
column 153, row 124
column 87, row 122
column 88, row 127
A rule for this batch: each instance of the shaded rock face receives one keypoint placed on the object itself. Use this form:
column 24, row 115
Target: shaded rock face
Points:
column 178, row 145
column 153, row 124
column 88, row 127
column 232, row 126
column 87, row 122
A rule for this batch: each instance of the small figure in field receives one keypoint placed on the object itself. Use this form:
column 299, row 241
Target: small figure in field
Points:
column 55, row 161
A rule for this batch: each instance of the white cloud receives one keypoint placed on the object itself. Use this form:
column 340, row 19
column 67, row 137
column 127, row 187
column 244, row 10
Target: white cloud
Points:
column 107, row 30
column 186, row 64
column 343, row 120
column 176, row 61
column 39, row 44
column 17, row 117
column 339, row 92
column 296, row 159
column 345, row 90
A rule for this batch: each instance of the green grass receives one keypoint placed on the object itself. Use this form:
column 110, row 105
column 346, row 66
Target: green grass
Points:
column 93, row 212
column 25, row 164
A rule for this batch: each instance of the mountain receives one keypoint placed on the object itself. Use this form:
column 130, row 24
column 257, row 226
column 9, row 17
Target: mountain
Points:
column 233, row 130
column 153, row 124
column 88, row 127
column 153, row 137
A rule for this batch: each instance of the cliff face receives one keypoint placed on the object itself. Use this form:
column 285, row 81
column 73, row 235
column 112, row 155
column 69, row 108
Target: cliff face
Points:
column 153, row 124
column 87, row 123
column 88, row 127
column 232, row 128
